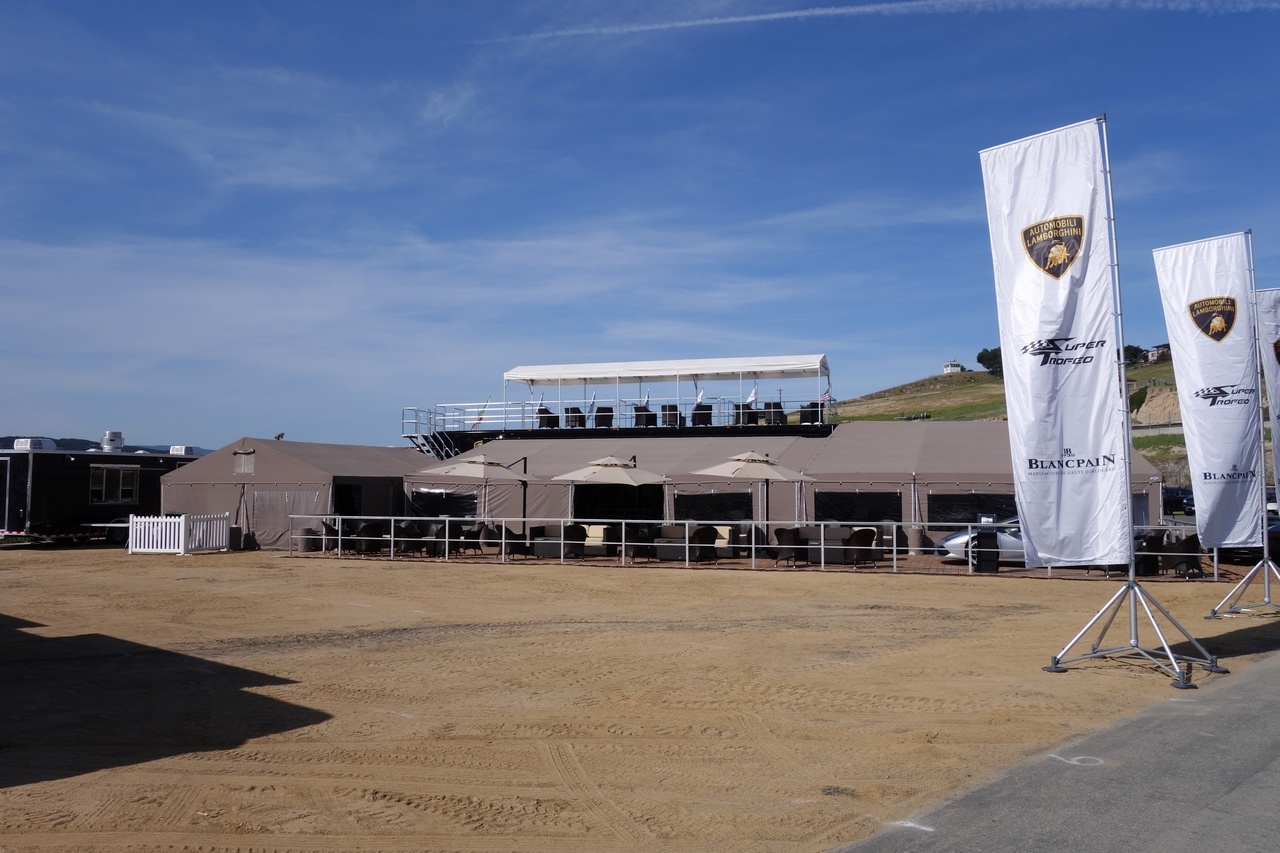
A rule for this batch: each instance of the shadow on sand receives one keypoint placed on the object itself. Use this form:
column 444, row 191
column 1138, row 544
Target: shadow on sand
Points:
column 1249, row 635
column 73, row 705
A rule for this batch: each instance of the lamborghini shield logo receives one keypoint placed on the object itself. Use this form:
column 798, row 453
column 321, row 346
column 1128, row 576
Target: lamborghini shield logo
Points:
column 1054, row 244
column 1214, row 316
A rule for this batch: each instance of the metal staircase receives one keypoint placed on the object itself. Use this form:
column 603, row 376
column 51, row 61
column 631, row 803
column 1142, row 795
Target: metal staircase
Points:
column 419, row 426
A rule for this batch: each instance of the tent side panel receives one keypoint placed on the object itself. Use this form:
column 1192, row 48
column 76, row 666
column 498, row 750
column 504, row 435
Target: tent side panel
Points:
column 270, row 511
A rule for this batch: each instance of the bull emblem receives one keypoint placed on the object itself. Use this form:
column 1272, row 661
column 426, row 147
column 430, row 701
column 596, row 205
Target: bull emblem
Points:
column 1057, row 255
column 1214, row 316
column 1053, row 245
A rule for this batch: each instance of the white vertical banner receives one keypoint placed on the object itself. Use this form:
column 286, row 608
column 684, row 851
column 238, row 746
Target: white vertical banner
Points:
column 1048, row 202
column 1268, row 319
column 1207, row 290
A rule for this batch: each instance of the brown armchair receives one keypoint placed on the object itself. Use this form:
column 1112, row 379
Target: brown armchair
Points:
column 860, row 547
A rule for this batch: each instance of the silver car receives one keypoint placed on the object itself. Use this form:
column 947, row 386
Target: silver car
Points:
column 1008, row 539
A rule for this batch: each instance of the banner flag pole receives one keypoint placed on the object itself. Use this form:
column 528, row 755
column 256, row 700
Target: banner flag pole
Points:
column 1266, row 329
column 1208, row 308
column 1049, row 210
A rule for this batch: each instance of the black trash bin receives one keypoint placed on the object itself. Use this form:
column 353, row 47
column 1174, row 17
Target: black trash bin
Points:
column 984, row 552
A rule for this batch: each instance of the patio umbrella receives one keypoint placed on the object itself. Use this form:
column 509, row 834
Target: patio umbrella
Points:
column 613, row 471
column 757, row 467
column 483, row 468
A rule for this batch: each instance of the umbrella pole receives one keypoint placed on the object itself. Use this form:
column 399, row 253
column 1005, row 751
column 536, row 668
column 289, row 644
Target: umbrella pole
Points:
column 764, row 486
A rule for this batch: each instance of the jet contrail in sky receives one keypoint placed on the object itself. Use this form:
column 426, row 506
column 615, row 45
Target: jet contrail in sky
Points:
column 909, row 7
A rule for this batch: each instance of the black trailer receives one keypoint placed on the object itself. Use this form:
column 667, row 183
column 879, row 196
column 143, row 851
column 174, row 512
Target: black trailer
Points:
column 60, row 494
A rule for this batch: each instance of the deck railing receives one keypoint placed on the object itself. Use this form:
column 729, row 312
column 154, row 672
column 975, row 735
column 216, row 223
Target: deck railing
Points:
column 612, row 413
column 882, row 545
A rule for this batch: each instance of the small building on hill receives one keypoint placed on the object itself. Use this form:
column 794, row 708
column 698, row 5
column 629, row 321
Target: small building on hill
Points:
column 261, row 482
column 954, row 366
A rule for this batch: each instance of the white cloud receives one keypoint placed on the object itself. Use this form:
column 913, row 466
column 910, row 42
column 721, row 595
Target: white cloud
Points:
column 882, row 212
column 445, row 106
column 341, row 335
column 908, row 7
column 263, row 127
column 1152, row 174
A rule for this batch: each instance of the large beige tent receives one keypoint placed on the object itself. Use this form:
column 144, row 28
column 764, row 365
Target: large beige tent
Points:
column 918, row 472
column 261, row 482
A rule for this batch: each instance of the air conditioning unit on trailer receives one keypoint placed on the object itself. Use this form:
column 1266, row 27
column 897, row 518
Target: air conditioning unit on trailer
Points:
column 34, row 444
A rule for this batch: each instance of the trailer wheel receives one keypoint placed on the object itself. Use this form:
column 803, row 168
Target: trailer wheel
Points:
column 118, row 535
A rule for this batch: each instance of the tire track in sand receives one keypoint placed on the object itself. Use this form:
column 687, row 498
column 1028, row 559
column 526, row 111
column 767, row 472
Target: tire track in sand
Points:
column 560, row 756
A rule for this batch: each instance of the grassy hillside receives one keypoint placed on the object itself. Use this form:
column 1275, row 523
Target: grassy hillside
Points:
column 980, row 396
column 953, row 397
column 1160, row 373
column 974, row 396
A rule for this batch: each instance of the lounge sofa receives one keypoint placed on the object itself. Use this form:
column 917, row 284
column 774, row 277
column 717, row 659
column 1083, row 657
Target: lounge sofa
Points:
column 555, row 540
column 697, row 543
column 601, row 540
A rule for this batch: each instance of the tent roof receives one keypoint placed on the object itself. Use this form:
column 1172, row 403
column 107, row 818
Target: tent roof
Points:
column 892, row 451
column 698, row 369
column 300, row 461
column 960, row 452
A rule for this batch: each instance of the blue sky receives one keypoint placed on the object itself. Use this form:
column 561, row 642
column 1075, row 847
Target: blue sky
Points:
column 222, row 219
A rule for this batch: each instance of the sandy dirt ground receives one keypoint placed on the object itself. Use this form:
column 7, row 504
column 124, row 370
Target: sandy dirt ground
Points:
column 257, row 702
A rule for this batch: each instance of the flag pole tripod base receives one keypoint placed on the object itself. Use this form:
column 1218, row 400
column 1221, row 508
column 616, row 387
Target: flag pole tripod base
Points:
column 1231, row 604
column 1128, row 598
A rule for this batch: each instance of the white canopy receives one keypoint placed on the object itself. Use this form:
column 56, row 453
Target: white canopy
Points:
column 693, row 369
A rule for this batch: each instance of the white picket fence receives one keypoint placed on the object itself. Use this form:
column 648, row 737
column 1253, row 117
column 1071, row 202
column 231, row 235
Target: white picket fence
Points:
column 179, row 534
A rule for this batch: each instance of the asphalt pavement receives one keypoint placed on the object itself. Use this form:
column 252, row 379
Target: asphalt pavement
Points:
column 1199, row 771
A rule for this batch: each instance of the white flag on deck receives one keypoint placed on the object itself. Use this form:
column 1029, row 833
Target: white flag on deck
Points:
column 1206, row 288
column 1047, row 207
